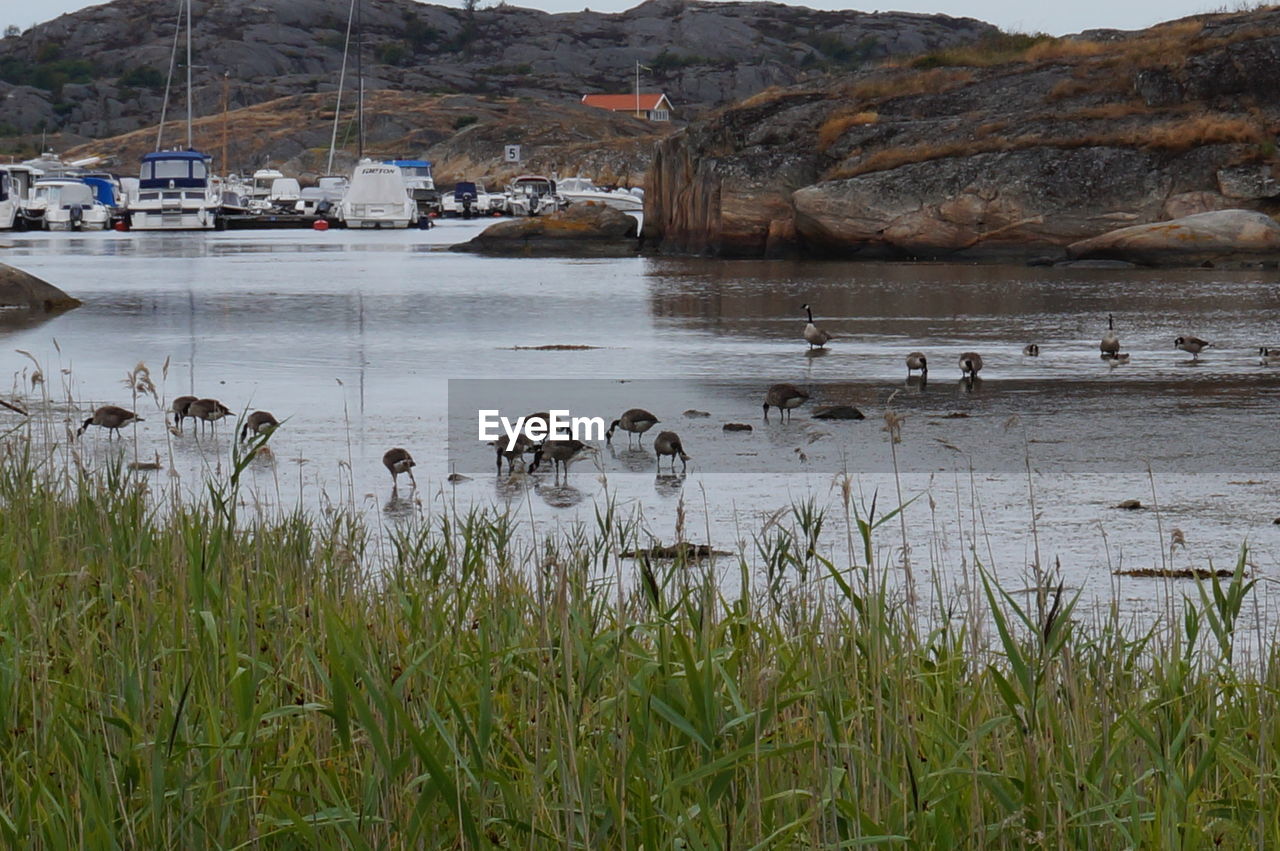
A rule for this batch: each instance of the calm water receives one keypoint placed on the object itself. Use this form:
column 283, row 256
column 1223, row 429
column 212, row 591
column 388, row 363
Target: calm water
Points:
column 354, row 337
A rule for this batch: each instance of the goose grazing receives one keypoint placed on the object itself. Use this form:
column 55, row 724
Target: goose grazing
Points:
column 110, row 417
column 1031, row 350
column 399, row 461
column 207, row 410
column 813, row 335
column 1194, row 345
column 917, row 360
column 668, row 443
column 512, row 449
column 561, row 452
column 259, row 422
column 181, row 408
column 634, row 421
column 970, row 365
column 1110, row 345
column 784, row 397
column 1269, row 357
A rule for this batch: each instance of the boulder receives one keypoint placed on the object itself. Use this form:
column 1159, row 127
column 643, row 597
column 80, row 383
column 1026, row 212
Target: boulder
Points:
column 27, row 292
column 1205, row 237
column 591, row 230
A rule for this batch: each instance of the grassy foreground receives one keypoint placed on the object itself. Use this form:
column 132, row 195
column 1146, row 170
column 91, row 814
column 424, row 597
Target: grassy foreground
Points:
column 172, row 677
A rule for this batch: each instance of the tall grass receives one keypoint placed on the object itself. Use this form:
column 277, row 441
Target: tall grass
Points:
column 173, row 676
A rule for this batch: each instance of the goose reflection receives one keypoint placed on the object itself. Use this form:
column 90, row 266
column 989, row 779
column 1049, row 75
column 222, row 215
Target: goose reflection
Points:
column 918, row 383
column 669, row 484
column 562, row 495
column 635, row 459
column 398, row 507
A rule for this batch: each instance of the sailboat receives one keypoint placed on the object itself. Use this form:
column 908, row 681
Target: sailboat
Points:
column 175, row 189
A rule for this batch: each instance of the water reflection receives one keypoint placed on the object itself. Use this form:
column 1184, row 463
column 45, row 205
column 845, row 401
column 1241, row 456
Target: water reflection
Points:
column 669, row 485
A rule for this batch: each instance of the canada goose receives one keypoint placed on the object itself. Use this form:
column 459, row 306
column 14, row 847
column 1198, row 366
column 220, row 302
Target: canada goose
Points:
column 110, row 417
column 1110, row 345
column 1031, row 350
column 633, row 421
column 399, row 461
column 181, row 407
column 1194, row 345
column 1269, row 357
column 561, row 452
column 813, row 335
column 259, row 422
column 970, row 364
column 512, row 449
column 1119, row 360
column 917, row 360
column 668, row 443
column 784, row 397
column 207, row 410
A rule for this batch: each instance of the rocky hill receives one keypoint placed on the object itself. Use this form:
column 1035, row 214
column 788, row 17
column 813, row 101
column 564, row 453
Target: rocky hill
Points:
column 1014, row 145
column 102, row 71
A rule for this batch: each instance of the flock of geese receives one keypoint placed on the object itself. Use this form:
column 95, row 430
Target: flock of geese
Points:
column 635, row 421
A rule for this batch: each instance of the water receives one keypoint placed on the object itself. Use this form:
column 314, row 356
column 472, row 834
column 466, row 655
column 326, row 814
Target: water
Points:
column 354, row 337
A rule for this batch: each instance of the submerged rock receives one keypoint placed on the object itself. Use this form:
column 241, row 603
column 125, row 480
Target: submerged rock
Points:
column 1202, row 238
column 838, row 412
column 19, row 289
column 590, row 230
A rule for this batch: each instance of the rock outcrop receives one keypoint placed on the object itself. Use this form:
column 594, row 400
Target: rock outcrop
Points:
column 1234, row 235
column 25, row 292
column 101, row 71
column 987, row 152
column 582, row 230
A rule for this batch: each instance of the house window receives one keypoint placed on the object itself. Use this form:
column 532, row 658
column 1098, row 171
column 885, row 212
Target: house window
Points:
column 659, row 115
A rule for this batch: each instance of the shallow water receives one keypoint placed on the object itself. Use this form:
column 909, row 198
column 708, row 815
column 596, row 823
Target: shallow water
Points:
column 354, row 337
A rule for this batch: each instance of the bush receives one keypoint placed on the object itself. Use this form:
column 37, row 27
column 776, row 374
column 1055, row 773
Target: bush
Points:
column 392, row 53
column 464, row 121
column 141, row 77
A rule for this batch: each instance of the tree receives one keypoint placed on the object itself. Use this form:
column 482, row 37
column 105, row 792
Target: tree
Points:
column 12, row 31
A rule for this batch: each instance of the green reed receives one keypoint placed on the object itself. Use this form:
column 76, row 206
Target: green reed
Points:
column 175, row 676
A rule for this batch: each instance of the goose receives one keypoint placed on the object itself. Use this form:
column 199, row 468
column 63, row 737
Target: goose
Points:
column 259, row 422
column 633, row 421
column 1031, row 350
column 399, row 461
column 970, row 364
column 784, row 397
column 917, row 360
column 668, row 443
column 1110, row 345
column 1269, row 357
column 1120, row 360
column 561, row 452
column 512, row 449
column 1194, row 345
column 813, row 335
column 181, row 407
column 207, row 410
column 110, row 417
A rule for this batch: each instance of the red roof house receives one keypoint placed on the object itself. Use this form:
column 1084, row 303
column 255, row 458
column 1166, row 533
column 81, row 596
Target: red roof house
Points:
column 654, row 107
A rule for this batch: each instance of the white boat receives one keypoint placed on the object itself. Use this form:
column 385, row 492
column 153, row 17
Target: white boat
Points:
column 581, row 190
column 532, row 195
column 174, row 193
column 323, row 198
column 66, row 204
column 467, row 200
column 15, row 188
column 285, row 192
column 419, row 183
column 377, row 198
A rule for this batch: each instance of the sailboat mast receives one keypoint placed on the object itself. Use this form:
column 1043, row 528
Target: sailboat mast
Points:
column 190, row 146
column 360, row 75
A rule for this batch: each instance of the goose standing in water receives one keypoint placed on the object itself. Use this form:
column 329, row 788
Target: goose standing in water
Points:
column 917, row 360
column 181, row 410
column 668, row 443
column 259, row 422
column 813, row 335
column 1110, row 345
column 399, row 461
column 634, row 421
column 561, row 452
column 512, row 450
column 110, row 417
column 1031, row 350
column 784, row 397
column 970, row 365
column 207, row 410
column 1269, row 357
column 1194, row 345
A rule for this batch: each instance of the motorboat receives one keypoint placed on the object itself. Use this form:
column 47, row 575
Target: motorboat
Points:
column 467, row 199
column 419, row 183
column 62, row 203
column 323, row 198
column 581, row 190
column 15, row 187
column 377, row 198
column 285, row 192
column 174, row 193
column 533, row 195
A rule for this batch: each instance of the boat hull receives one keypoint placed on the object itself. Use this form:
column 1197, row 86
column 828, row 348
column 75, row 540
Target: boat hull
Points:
column 200, row 219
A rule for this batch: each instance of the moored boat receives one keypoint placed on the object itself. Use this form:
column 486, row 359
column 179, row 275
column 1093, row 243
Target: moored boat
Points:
column 377, row 198
column 174, row 193
column 580, row 190
column 59, row 203
column 15, row 187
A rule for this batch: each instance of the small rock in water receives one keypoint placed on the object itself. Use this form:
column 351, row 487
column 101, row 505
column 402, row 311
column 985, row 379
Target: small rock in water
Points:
column 1276, row 522
column 456, row 478
column 694, row 413
column 956, row 415
column 1130, row 505
column 737, row 427
column 838, row 412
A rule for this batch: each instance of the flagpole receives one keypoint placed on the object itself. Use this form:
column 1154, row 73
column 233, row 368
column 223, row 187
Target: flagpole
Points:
column 637, row 88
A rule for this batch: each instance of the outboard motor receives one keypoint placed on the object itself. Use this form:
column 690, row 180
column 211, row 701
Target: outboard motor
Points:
column 77, row 215
column 465, row 195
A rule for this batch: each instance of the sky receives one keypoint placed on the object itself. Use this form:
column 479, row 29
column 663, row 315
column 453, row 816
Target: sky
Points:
column 1056, row 18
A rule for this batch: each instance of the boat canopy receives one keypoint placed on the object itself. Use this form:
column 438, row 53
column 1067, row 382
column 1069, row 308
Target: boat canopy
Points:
column 174, row 169
column 65, row 193
column 376, row 183
column 102, row 189
column 409, row 163
column 464, row 189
